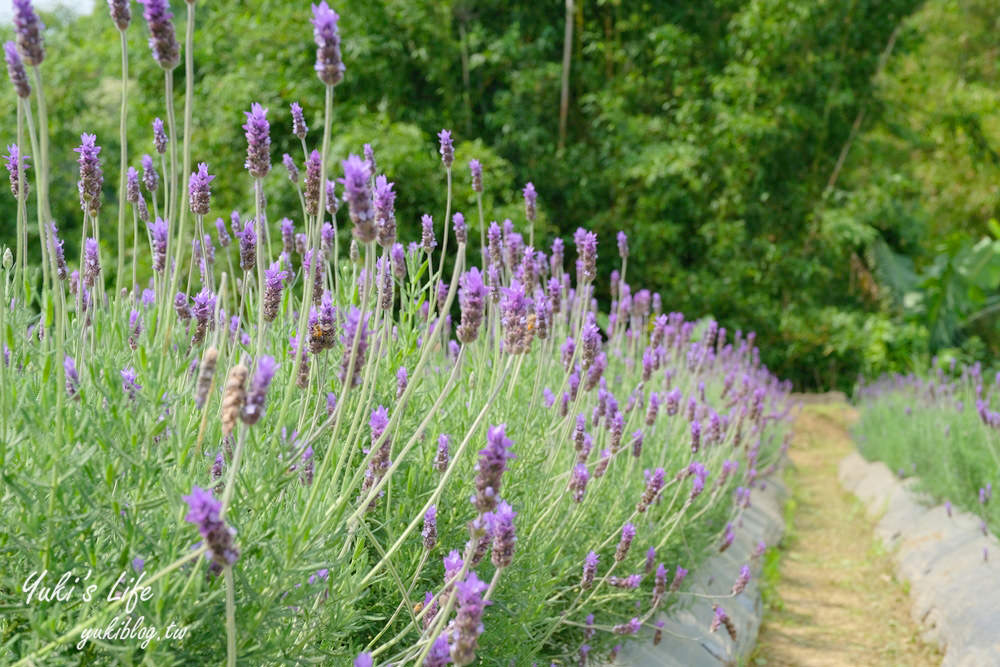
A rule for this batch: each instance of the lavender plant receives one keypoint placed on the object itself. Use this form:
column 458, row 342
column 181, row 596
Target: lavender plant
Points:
column 940, row 426
column 381, row 463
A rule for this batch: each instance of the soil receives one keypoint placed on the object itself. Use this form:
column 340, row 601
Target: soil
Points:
column 836, row 600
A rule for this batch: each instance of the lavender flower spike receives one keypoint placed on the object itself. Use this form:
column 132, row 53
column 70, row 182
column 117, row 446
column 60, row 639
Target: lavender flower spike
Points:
column 120, row 13
column 91, row 262
column 91, row 177
column 253, row 409
column 468, row 623
column 476, row 170
column 472, row 300
column 357, row 194
column 329, row 66
column 429, row 531
column 72, row 378
column 16, row 164
column 15, row 68
column 504, row 536
column 530, row 199
column 461, row 230
column 28, row 31
column 313, row 181
column 385, row 214
column 492, row 464
column 299, row 127
column 628, row 534
column 132, row 186
column 204, row 512
column 200, row 190
column 56, row 247
column 162, row 38
column 159, row 137
column 258, row 134
column 129, row 384
column 447, row 149
column 158, row 233
column 589, row 570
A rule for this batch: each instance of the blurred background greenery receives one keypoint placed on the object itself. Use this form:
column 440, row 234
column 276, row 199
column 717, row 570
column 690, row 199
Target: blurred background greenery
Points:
column 823, row 172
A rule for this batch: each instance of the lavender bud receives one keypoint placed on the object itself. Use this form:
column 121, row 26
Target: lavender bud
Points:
column 628, row 534
column 429, row 531
column 299, row 128
column 654, row 484
column 385, row 215
column 447, row 149
column 578, row 481
column 56, row 248
column 91, row 262
column 253, row 409
column 476, row 170
column 468, row 624
column 401, row 380
column 158, row 232
column 205, row 375
column 15, row 68
column 91, row 177
column 159, row 136
column 274, row 280
column 200, row 191
column 181, row 306
column 589, row 570
column 427, row 241
column 504, row 536
column 742, row 580
column 293, row 171
column 258, row 134
column 120, row 13
column 162, row 38
column 248, row 247
column 490, row 468
column 129, row 384
column 329, row 66
column 441, row 458
column 461, row 230
column 357, row 194
column 72, row 378
column 217, row 535
column 530, row 199
column 28, row 32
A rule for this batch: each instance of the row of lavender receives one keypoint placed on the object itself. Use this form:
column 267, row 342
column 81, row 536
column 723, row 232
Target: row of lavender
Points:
column 370, row 480
column 941, row 426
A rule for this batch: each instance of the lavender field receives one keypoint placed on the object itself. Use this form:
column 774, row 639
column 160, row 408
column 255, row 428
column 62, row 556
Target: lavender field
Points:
column 291, row 435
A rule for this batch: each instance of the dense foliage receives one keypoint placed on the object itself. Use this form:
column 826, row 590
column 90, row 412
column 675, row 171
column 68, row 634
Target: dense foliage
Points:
column 321, row 447
column 711, row 132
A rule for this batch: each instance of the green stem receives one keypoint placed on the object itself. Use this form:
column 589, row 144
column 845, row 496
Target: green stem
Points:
column 123, row 138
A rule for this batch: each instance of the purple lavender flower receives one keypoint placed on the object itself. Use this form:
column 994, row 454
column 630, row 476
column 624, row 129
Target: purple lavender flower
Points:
column 203, row 311
column 490, row 468
column 530, row 200
column 120, row 13
column 135, row 328
column 727, row 538
column 586, row 249
column 441, row 458
column 28, row 31
column 476, row 170
column 429, row 531
column 253, row 409
column 162, row 38
column 401, row 380
column 313, row 181
column 654, row 484
column 440, row 653
column 291, row 168
column 622, row 245
column 159, row 136
column 504, row 536
column 357, row 194
column 397, row 255
column 287, row 228
column 721, row 618
column 91, row 262
column 578, row 481
column 427, row 241
column 742, row 580
column 385, row 215
column 363, row 659
column 468, row 620
column 15, row 68
column 299, row 128
column 129, row 384
column 447, row 149
column 630, row 628
column 515, row 308
column 158, row 233
column 181, row 306
column 472, row 300
column 150, row 179
column 200, row 190
column 203, row 512
column 660, row 584
column 56, row 248
column 91, row 177
column 329, row 66
column 72, row 378
column 351, row 328
column 461, row 230
column 695, row 436
column 248, row 247
column 132, row 186
column 258, row 134
column 628, row 534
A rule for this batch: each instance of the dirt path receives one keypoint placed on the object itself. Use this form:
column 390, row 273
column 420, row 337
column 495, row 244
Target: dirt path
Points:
column 837, row 601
